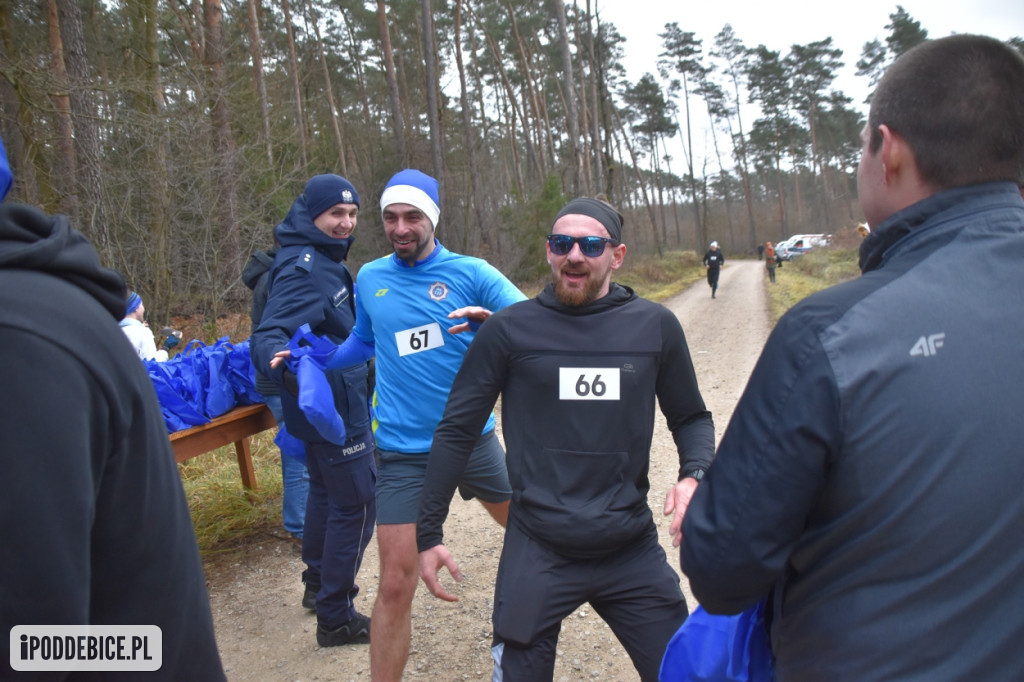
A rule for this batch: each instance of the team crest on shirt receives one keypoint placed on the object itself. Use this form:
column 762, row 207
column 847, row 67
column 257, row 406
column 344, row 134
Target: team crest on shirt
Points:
column 438, row 291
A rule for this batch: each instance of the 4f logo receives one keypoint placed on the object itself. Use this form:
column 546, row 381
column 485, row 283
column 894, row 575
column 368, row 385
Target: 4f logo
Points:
column 927, row 346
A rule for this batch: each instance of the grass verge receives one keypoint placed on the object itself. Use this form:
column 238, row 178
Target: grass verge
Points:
column 224, row 514
column 660, row 278
column 812, row 272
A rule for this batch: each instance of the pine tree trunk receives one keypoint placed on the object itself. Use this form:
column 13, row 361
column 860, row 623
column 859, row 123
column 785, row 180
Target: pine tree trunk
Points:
column 256, row 51
column 293, row 61
column 92, row 220
column 478, row 234
column 156, row 209
column 65, row 175
column 433, row 101
column 336, row 122
column 392, row 80
column 226, row 205
column 569, row 87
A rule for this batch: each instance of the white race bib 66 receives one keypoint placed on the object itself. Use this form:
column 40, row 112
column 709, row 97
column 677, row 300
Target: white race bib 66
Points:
column 419, row 339
column 588, row 383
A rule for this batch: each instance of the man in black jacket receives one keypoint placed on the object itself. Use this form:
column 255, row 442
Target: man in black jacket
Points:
column 94, row 526
column 713, row 260
column 580, row 369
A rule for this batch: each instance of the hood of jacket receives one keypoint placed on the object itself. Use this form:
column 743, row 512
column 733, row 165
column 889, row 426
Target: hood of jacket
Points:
column 32, row 240
column 297, row 229
column 618, row 294
column 259, row 263
column 876, row 246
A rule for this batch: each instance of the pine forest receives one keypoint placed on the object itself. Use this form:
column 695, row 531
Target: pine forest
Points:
column 177, row 133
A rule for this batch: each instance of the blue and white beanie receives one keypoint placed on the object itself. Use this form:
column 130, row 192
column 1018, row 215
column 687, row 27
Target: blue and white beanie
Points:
column 417, row 189
column 132, row 303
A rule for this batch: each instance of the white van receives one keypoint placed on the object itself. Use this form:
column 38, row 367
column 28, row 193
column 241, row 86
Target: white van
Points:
column 799, row 244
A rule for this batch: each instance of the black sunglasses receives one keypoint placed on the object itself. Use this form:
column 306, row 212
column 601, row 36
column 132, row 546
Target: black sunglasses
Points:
column 591, row 247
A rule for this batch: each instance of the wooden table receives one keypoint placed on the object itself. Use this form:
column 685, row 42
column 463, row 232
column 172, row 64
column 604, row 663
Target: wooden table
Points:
column 235, row 427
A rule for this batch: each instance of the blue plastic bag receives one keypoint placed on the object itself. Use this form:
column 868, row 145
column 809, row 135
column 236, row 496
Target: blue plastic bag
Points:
column 205, row 371
column 709, row 648
column 179, row 411
column 241, row 374
column 289, row 445
column 316, row 399
column 220, row 396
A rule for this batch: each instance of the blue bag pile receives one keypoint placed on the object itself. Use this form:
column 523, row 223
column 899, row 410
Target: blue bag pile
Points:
column 203, row 382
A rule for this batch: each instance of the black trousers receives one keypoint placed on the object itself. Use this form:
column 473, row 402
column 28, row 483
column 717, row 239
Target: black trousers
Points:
column 713, row 277
column 634, row 590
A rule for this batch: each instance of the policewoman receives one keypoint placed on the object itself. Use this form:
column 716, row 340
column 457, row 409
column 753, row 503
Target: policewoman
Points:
column 310, row 284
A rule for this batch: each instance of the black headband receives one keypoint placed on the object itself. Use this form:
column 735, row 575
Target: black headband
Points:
column 599, row 211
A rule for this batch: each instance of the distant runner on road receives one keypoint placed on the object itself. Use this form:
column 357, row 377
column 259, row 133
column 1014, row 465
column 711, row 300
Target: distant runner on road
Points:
column 713, row 261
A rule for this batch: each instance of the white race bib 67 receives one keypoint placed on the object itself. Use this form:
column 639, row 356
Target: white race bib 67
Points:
column 419, row 339
column 588, row 383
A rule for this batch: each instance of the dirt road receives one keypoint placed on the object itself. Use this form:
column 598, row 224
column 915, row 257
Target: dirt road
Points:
column 264, row 634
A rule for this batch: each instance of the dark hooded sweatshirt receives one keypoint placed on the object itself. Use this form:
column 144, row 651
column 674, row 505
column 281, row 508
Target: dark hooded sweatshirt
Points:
column 256, row 276
column 579, row 386
column 94, row 526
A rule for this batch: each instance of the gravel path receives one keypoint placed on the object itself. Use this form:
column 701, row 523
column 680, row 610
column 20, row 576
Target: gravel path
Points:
column 264, row 634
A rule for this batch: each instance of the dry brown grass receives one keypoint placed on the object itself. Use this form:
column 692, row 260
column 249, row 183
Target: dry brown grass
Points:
column 799, row 278
column 223, row 512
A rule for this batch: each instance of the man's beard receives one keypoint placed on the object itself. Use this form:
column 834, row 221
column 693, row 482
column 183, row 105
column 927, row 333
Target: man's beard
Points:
column 574, row 297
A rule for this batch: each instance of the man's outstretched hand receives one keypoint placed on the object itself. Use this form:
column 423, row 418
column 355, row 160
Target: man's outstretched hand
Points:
column 475, row 316
column 431, row 562
column 279, row 357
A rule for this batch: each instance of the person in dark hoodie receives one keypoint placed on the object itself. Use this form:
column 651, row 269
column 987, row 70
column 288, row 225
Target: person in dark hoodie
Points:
column 579, row 369
column 310, row 284
column 94, row 524
column 294, row 476
column 713, row 261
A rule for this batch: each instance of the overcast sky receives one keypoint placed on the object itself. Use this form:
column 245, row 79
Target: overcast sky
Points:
column 780, row 24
